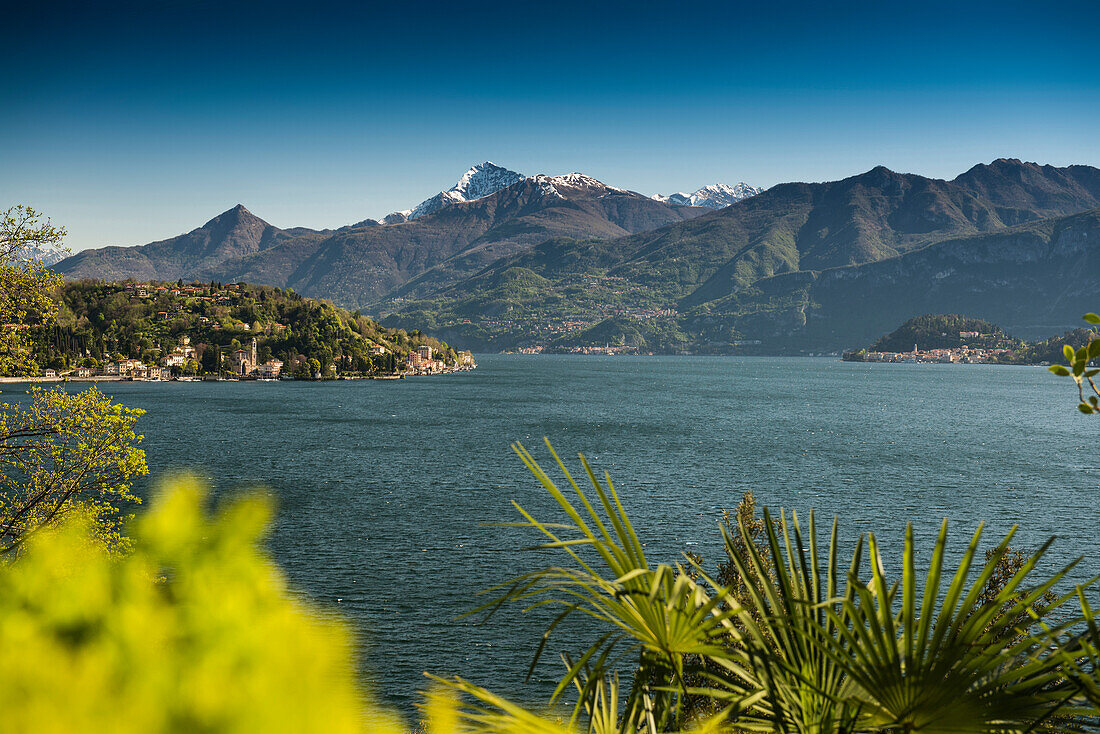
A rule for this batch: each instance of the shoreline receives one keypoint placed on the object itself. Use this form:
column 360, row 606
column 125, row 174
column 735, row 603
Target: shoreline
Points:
column 115, row 378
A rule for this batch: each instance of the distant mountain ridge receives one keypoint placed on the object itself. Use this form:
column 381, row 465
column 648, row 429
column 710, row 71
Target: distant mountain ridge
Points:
column 723, row 280
column 453, row 235
column 548, row 259
column 233, row 234
column 1023, row 191
column 1035, row 279
column 712, row 196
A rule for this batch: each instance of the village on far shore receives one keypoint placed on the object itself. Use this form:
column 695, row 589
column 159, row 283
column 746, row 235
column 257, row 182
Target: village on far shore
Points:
column 962, row 355
column 171, row 331
column 959, row 339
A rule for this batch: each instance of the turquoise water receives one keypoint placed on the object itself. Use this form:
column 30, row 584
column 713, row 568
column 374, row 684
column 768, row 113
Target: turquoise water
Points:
column 385, row 488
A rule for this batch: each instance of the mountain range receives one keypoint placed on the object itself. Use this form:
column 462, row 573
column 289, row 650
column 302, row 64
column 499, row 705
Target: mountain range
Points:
column 489, row 214
column 565, row 261
column 714, row 196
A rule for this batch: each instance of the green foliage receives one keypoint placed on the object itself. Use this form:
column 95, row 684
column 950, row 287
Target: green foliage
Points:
column 65, row 454
column 810, row 641
column 25, row 286
column 91, row 643
column 1053, row 349
column 195, row 630
column 1078, row 368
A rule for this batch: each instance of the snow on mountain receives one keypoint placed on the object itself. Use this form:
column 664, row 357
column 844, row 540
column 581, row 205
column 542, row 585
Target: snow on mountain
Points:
column 397, row 217
column 550, row 185
column 714, row 196
column 481, row 180
column 46, row 254
column 577, row 181
column 488, row 178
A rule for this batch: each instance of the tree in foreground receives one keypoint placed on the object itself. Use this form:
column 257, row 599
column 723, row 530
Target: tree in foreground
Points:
column 195, row 630
column 62, row 454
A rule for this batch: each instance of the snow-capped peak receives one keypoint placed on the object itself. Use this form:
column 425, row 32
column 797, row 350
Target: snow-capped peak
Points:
column 46, row 254
column 480, row 181
column 488, row 178
column 573, row 180
column 578, row 180
column 483, row 180
column 713, row 196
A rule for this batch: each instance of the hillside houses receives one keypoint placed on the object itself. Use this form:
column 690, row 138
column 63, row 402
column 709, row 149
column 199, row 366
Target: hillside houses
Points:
column 421, row 362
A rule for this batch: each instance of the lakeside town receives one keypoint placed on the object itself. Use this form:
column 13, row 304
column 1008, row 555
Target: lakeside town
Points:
column 209, row 331
column 956, row 355
column 246, row 367
column 978, row 342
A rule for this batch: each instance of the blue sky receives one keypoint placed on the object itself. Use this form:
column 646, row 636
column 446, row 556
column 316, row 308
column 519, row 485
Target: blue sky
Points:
column 130, row 122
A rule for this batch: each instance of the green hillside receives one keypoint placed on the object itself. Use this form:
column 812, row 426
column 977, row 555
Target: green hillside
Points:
column 99, row 322
column 799, row 267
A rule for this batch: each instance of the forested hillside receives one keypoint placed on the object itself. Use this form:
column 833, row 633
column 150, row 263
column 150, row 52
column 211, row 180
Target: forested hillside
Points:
column 98, row 322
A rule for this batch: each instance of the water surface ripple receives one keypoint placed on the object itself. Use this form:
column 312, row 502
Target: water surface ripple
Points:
column 385, row 489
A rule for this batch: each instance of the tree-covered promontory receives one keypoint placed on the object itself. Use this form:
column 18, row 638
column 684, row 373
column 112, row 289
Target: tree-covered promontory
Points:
column 97, row 322
column 945, row 331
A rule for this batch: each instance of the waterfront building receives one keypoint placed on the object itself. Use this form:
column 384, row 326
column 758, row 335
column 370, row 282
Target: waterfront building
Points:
column 244, row 361
column 122, row 367
column 270, row 370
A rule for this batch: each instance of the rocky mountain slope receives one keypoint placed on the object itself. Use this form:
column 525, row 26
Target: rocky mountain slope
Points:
column 1034, row 279
column 481, row 180
column 360, row 264
column 430, row 252
column 234, row 234
column 714, row 282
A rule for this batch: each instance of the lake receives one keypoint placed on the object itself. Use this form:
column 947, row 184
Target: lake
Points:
column 386, row 488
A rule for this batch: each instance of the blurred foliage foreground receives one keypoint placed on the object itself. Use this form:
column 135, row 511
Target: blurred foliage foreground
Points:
column 195, row 630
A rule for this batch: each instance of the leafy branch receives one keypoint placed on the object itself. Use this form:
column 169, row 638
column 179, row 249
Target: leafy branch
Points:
column 1077, row 367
